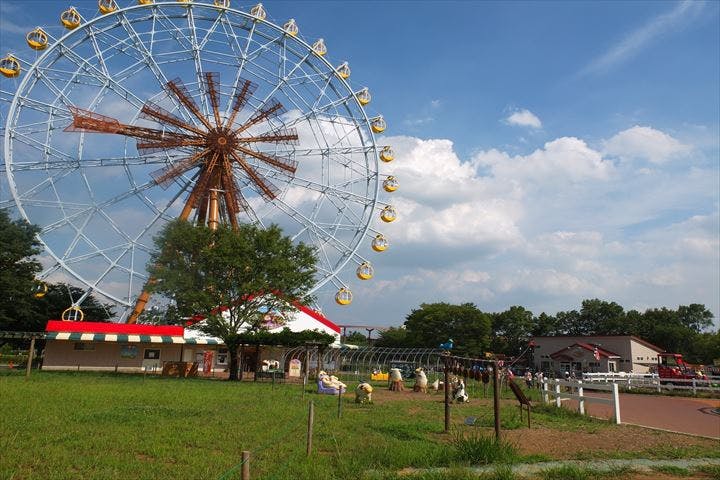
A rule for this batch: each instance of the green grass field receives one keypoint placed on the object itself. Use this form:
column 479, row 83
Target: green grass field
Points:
column 83, row 425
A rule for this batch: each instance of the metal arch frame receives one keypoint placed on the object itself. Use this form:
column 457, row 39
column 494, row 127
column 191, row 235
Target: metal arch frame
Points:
column 121, row 20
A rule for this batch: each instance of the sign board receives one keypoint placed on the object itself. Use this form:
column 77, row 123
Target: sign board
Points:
column 295, row 368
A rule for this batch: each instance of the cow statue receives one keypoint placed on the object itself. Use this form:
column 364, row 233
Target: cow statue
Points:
column 421, row 381
column 363, row 393
column 396, row 380
column 270, row 365
column 458, row 391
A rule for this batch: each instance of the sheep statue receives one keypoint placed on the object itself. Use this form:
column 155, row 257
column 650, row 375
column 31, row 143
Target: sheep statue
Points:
column 458, row 391
column 421, row 382
column 438, row 385
column 396, row 381
column 330, row 385
column 268, row 365
column 363, row 393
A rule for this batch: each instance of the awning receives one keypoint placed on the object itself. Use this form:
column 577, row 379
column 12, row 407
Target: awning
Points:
column 114, row 337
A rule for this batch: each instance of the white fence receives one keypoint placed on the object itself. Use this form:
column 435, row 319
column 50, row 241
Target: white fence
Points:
column 651, row 380
column 580, row 387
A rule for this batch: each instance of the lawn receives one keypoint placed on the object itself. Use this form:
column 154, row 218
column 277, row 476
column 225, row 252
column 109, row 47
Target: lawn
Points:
column 107, row 426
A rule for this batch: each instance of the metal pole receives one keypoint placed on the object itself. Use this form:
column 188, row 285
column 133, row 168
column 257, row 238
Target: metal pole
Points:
column 339, row 402
column 447, row 395
column 496, row 400
column 311, row 420
column 30, row 357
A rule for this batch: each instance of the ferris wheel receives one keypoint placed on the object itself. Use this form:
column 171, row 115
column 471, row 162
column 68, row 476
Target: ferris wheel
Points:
column 130, row 116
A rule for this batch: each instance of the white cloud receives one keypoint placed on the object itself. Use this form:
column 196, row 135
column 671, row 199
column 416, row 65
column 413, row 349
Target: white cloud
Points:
column 643, row 37
column 644, row 143
column 524, row 118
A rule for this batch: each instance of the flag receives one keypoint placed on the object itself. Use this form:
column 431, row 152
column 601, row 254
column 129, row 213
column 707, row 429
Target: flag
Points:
column 596, row 353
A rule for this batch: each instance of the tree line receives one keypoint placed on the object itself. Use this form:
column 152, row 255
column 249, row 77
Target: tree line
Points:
column 686, row 330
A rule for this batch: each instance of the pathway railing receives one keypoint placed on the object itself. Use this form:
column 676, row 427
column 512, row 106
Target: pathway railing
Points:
column 552, row 387
column 652, row 381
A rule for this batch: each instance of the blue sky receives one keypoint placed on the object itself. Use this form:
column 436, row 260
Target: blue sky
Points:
column 547, row 151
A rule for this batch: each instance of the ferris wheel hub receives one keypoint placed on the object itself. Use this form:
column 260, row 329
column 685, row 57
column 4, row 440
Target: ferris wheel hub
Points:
column 221, row 140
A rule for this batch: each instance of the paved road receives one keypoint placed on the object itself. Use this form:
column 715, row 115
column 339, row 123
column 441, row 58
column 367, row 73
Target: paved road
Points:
column 679, row 414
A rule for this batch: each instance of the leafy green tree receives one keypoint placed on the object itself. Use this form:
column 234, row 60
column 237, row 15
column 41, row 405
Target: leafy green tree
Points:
column 434, row 323
column 511, row 330
column 598, row 317
column 356, row 338
column 393, row 337
column 18, row 246
column 230, row 277
column 544, row 325
column 569, row 323
column 705, row 348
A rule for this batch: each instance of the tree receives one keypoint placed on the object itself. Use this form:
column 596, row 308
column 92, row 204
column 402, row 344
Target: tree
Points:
column 356, row 338
column 598, row 317
column 393, row 337
column 231, row 277
column 511, row 330
column 434, row 323
column 17, row 272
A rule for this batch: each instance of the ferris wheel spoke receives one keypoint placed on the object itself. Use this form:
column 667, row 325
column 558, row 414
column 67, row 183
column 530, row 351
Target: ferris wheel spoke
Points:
column 90, row 255
column 242, row 54
column 195, row 50
column 91, row 163
column 211, row 31
column 151, row 63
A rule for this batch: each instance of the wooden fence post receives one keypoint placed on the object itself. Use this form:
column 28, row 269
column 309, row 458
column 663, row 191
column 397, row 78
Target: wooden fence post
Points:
column 616, row 402
column 581, row 400
column 245, row 465
column 311, row 420
column 339, row 402
column 30, row 358
column 496, row 400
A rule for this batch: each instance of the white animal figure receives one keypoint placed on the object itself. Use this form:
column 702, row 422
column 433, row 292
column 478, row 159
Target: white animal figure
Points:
column 270, row 365
column 421, row 381
column 363, row 393
column 458, row 392
column 396, row 381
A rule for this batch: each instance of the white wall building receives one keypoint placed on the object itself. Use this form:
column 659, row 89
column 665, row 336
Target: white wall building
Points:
column 604, row 353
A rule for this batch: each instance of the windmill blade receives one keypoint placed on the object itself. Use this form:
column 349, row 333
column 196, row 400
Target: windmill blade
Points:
column 153, row 111
column 147, row 148
column 91, row 122
column 166, row 175
column 266, row 188
column 284, row 136
column 286, row 164
column 178, row 88
column 247, row 89
column 273, row 109
column 212, row 93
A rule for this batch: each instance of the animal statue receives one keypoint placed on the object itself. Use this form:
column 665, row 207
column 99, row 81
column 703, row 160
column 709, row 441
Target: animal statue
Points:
column 421, row 381
column 438, row 385
column 458, row 392
column 270, row 365
column 447, row 346
column 329, row 384
column 363, row 393
column 396, row 380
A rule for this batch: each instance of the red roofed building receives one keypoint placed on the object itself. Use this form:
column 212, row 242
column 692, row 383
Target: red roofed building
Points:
column 615, row 353
column 135, row 347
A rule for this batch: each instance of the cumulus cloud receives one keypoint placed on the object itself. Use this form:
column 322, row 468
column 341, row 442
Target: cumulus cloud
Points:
column 524, row 118
column 645, row 143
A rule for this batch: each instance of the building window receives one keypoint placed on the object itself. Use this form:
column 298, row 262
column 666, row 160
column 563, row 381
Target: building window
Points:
column 128, row 351
column 222, row 356
column 639, row 358
column 152, row 354
column 84, row 346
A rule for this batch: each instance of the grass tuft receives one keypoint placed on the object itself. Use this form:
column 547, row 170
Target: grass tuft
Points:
column 477, row 448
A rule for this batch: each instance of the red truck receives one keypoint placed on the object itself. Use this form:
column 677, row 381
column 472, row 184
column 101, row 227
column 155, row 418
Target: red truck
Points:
column 672, row 366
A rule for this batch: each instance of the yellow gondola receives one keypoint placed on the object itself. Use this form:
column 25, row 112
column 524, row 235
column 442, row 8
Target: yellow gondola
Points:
column 41, row 289
column 363, row 96
column 37, row 39
column 70, row 18
column 365, row 271
column 319, row 47
column 73, row 314
column 388, row 214
column 222, row 3
column 258, row 12
column 107, row 6
column 145, row 2
column 380, row 243
column 343, row 70
column 391, row 184
column 387, row 154
column 291, row 27
column 343, row 297
column 378, row 124
column 9, row 66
